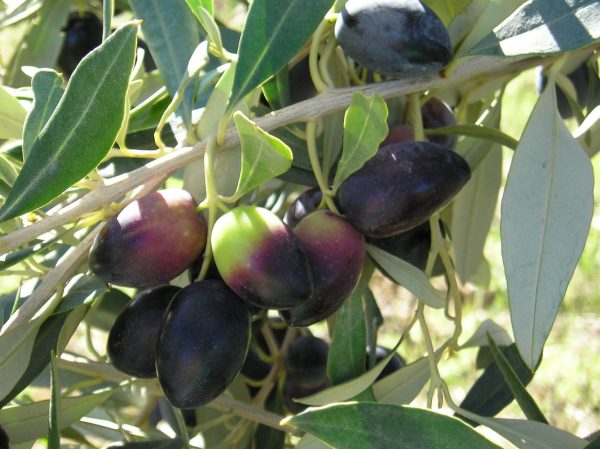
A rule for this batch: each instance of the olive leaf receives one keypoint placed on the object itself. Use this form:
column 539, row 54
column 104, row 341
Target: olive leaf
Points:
column 365, row 127
column 12, row 115
column 82, row 129
column 546, row 213
column 263, row 156
column 369, row 425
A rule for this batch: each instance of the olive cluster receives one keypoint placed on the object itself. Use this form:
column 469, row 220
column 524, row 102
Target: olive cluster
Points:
column 196, row 339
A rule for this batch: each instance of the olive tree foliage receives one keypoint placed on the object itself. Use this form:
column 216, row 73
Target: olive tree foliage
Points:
column 224, row 115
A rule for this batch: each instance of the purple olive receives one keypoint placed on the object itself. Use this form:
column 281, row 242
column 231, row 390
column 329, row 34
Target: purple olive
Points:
column 151, row 241
column 401, row 187
column 131, row 346
column 335, row 251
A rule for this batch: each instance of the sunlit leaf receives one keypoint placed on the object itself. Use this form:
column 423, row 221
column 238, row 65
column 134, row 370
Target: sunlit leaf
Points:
column 365, row 127
column 12, row 116
column 263, row 156
column 546, row 213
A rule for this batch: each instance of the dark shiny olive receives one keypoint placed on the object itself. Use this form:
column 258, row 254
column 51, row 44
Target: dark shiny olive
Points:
column 202, row 343
column 398, row 38
column 306, row 361
column 307, row 202
column 437, row 114
column 580, row 77
column 395, row 363
column 401, row 187
column 83, row 33
column 260, row 258
column 151, row 241
column 131, row 345
column 335, row 251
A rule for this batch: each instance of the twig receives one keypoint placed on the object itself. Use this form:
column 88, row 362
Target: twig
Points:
column 327, row 103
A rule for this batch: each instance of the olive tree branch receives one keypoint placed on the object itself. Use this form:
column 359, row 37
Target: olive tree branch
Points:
column 334, row 100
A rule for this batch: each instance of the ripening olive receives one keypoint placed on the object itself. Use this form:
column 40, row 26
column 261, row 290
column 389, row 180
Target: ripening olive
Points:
column 335, row 251
column 260, row 258
column 151, row 241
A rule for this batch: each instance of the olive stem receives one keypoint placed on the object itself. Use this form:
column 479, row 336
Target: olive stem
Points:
column 324, row 61
column 436, row 380
column 182, row 427
column 313, row 55
column 414, row 106
column 212, row 197
column 311, row 144
column 108, row 10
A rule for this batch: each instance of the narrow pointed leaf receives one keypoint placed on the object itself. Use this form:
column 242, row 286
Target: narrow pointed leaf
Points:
column 26, row 422
column 47, row 92
column 490, row 394
column 195, row 6
column 41, row 44
column 488, row 327
column 546, row 213
column 524, row 399
column 54, row 405
column 171, row 33
column 532, row 434
column 350, row 389
column 12, row 116
column 543, row 27
column 403, row 386
column 274, row 32
column 446, row 10
column 594, row 444
column 473, row 212
column 346, row 358
column 83, row 128
column 365, row 127
column 263, row 155
column 367, row 425
column 405, row 274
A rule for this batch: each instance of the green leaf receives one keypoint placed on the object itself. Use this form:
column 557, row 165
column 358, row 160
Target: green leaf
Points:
column 12, row 116
column 47, row 92
column 172, row 36
column 274, row 32
column 350, row 389
column 41, row 44
column 263, row 155
column 480, row 336
column 473, row 212
column 365, row 425
column 524, row 399
column 195, row 6
column 543, row 27
column 594, row 444
column 477, row 131
column 409, row 277
column 309, row 441
column 45, row 340
column 82, row 129
column 365, row 127
column 490, row 393
column 54, row 405
column 546, row 213
column 26, row 422
column 403, row 386
column 447, row 10
column 346, row 359
column 532, row 434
